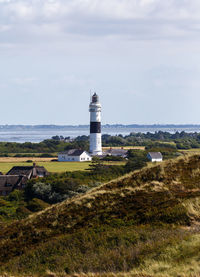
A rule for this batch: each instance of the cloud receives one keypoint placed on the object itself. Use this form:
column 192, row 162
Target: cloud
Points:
column 24, row 81
column 77, row 81
column 4, row 28
column 131, row 19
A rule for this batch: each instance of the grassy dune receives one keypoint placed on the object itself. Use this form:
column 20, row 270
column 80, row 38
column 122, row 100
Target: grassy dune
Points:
column 146, row 222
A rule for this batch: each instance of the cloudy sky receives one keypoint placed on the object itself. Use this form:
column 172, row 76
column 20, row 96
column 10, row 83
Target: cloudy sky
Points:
column 141, row 56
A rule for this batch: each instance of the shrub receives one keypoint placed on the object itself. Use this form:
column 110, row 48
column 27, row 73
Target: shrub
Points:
column 16, row 195
column 36, row 205
column 22, row 212
column 134, row 165
column 42, row 191
column 3, row 203
column 54, row 191
column 46, row 155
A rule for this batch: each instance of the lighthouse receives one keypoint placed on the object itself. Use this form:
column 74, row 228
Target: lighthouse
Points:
column 95, row 126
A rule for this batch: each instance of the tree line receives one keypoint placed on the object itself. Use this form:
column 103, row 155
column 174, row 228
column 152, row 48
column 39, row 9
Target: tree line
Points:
column 178, row 140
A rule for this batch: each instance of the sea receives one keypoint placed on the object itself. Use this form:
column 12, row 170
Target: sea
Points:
column 39, row 134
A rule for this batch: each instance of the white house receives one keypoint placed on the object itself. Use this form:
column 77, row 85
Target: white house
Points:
column 155, row 156
column 74, row 155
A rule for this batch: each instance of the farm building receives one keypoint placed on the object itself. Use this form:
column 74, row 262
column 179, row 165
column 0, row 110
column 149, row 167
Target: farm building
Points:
column 74, row 155
column 155, row 156
column 9, row 183
column 30, row 172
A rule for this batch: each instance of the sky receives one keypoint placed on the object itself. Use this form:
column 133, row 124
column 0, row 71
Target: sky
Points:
column 141, row 56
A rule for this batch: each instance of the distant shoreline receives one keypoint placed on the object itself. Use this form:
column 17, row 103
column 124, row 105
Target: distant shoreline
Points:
column 65, row 127
column 38, row 133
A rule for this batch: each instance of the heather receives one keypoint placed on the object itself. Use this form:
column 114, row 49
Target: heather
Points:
column 145, row 222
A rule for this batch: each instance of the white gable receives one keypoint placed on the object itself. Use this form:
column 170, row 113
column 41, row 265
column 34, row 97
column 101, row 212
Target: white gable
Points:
column 83, row 157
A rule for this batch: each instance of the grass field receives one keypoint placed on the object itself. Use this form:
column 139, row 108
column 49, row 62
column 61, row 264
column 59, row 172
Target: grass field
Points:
column 191, row 151
column 125, row 147
column 24, row 159
column 55, row 167
column 50, row 166
column 54, row 154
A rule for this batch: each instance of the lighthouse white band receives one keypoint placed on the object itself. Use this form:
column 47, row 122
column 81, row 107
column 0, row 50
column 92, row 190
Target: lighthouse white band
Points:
column 95, row 144
column 95, row 116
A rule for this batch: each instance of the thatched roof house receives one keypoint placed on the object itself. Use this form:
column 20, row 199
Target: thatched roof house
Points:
column 9, row 183
column 30, row 172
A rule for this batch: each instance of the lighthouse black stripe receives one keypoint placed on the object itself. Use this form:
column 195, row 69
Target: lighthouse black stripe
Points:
column 95, row 127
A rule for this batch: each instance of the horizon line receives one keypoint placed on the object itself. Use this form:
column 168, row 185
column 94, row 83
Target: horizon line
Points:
column 106, row 124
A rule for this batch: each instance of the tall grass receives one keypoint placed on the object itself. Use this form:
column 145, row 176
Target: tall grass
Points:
column 143, row 223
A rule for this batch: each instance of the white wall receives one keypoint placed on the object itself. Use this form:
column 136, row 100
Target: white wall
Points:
column 156, row 160
column 95, row 144
column 95, row 112
column 85, row 157
column 82, row 158
column 95, row 116
column 66, row 158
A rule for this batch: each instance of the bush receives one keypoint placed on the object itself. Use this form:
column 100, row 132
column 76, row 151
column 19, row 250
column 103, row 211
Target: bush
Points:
column 42, row 191
column 22, row 212
column 55, row 191
column 36, row 205
column 46, row 155
column 183, row 146
column 3, row 203
column 137, row 160
column 134, row 165
column 16, row 195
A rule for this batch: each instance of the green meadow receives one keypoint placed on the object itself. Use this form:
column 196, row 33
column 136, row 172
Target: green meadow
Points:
column 50, row 166
column 54, row 167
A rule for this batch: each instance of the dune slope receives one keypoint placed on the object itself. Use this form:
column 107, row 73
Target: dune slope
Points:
column 117, row 227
